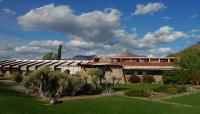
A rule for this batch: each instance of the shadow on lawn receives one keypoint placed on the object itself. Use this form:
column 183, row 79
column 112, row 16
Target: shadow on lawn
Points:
column 7, row 91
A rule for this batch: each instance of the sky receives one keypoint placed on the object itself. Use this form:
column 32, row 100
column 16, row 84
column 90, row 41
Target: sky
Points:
column 28, row 28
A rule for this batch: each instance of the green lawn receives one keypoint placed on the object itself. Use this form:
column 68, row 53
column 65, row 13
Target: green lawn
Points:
column 193, row 99
column 12, row 102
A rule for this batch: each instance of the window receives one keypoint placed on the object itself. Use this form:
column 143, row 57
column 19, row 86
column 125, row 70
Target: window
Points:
column 163, row 60
column 139, row 72
column 144, row 60
column 171, row 60
column 154, row 60
column 115, row 60
column 134, row 60
column 125, row 60
column 155, row 72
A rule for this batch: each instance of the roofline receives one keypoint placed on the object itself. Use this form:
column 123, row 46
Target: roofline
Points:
column 142, row 57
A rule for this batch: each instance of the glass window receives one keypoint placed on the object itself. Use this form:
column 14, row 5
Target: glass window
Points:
column 154, row 60
column 163, row 60
column 144, row 60
column 134, row 60
column 125, row 60
column 115, row 60
column 171, row 60
column 139, row 72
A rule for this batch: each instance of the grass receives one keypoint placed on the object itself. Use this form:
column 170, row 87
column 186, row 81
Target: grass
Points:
column 136, row 86
column 12, row 102
column 192, row 99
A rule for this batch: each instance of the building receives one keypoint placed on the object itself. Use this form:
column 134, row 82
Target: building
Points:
column 125, row 66
column 26, row 66
column 120, row 66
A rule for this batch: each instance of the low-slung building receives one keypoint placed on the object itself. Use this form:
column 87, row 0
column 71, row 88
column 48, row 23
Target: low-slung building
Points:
column 125, row 66
column 120, row 66
column 29, row 65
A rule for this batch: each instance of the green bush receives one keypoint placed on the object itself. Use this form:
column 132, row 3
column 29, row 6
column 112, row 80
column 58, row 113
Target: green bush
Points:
column 78, row 86
column 194, row 79
column 17, row 76
column 90, row 89
column 139, row 92
column 171, row 89
column 45, row 82
column 176, row 77
column 134, row 79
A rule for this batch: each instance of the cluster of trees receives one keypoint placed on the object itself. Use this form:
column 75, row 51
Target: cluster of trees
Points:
column 54, row 84
column 53, row 56
column 189, row 69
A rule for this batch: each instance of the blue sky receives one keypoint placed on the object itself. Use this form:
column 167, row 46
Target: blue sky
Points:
column 103, row 27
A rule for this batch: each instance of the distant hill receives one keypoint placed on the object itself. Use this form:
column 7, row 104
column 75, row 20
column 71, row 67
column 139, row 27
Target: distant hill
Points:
column 83, row 57
column 185, row 51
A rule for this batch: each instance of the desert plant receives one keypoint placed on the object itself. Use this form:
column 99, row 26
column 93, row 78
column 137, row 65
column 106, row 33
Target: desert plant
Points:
column 171, row 89
column 17, row 76
column 90, row 89
column 95, row 75
column 139, row 92
column 45, row 82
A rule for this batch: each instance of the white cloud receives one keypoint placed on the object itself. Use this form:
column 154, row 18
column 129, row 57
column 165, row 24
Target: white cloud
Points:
column 195, row 35
column 194, row 16
column 99, row 31
column 161, row 50
column 9, row 11
column 39, row 47
column 45, row 43
column 95, row 32
column 164, row 34
column 95, row 25
column 142, row 9
column 195, row 30
column 167, row 18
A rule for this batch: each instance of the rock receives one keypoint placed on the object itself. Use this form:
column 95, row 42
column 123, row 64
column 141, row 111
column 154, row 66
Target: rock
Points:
column 55, row 101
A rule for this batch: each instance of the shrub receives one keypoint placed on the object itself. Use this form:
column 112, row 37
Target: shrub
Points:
column 148, row 79
column 134, row 79
column 17, row 76
column 171, row 89
column 176, row 77
column 45, row 82
column 90, row 89
column 139, row 92
column 74, row 85
column 194, row 79
column 77, row 85
column 160, row 89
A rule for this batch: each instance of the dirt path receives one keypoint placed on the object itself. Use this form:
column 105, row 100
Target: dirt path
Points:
column 162, row 97
column 159, row 101
column 67, row 98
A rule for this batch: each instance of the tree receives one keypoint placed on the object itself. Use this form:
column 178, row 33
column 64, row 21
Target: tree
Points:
column 53, row 56
column 94, row 72
column 49, row 56
column 190, row 61
column 59, row 54
column 46, row 83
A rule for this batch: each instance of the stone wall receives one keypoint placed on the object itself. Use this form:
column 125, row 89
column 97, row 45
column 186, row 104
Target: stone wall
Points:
column 117, row 72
